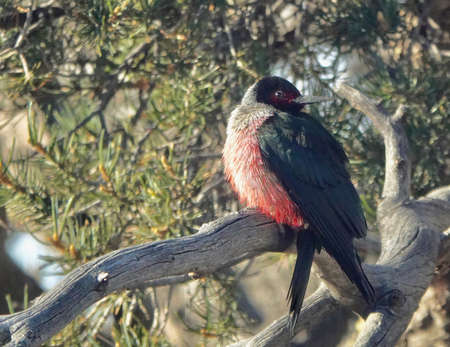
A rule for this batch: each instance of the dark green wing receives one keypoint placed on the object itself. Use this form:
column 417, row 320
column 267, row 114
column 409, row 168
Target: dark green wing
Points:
column 310, row 164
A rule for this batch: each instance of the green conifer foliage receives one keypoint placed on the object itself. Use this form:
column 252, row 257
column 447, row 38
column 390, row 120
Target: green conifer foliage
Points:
column 126, row 103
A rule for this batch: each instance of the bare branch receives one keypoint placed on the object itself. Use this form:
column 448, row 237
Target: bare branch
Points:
column 402, row 275
column 138, row 149
column 442, row 193
column 378, row 327
column 26, row 71
column 26, row 26
column 410, row 245
column 397, row 183
column 113, row 86
column 364, row 104
column 368, row 245
column 410, row 234
column 218, row 245
column 144, row 95
column 38, row 15
column 277, row 334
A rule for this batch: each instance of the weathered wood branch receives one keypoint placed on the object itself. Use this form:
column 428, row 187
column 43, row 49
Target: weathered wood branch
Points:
column 397, row 185
column 278, row 334
column 412, row 247
column 411, row 240
column 219, row 244
column 409, row 231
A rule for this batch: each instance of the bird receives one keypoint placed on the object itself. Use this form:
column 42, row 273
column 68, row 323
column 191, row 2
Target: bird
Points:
column 284, row 162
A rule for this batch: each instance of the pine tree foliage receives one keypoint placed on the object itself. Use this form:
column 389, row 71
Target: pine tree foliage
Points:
column 127, row 101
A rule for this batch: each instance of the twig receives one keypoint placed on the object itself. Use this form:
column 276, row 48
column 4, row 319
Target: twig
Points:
column 23, row 34
column 25, row 67
column 208, row 187
column 143, row 102
column 26, row 26
column 233, row 52
column 113, row 84
column 138, row 149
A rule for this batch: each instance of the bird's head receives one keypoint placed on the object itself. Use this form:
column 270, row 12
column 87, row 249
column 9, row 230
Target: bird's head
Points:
column 279, row 93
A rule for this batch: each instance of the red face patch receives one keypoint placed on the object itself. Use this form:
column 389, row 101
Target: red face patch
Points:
column 282, row 98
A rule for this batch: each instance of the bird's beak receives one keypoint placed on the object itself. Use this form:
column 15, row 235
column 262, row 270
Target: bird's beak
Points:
column 311, row 99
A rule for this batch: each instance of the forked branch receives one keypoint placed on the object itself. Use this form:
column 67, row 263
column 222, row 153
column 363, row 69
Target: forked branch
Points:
column 411, row 242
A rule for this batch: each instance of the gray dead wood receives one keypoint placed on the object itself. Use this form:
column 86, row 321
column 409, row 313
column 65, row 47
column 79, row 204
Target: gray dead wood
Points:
column 412, row 241
column 219, row 244
column 320, row 303
column 410, row 231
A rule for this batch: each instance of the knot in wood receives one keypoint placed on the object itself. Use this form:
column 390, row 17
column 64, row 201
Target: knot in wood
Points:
column 30, row 335
column 396, row 299
column 401, row 165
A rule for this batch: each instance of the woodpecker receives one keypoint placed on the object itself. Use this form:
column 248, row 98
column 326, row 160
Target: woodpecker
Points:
column 284, row 162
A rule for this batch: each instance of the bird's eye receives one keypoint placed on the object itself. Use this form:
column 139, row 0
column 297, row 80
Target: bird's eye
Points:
column 279, row 94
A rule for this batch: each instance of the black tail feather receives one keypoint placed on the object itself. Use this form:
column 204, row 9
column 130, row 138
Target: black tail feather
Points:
column 354, row 271
column 344, row 253
column 305, row 254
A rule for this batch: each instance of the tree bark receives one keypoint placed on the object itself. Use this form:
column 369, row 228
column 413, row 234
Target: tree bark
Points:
column 412, row 247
